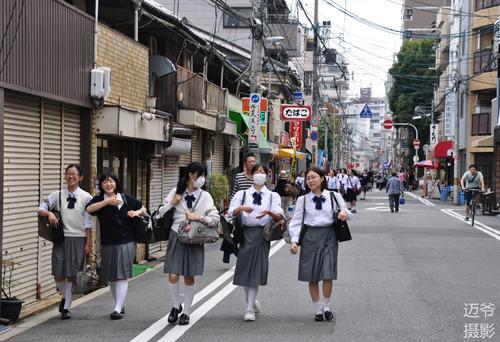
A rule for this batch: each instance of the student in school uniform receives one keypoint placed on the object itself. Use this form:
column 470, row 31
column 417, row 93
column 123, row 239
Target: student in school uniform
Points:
column 351, row 186
column 193, row 204
column 114, row 209
column 333, row 183
column 68, row 256
column 318, row 245
column 257, row 206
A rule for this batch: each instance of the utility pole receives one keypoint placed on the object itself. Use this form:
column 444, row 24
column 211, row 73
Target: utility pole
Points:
column 456, row 138
column 258, row 10
column 315, row 72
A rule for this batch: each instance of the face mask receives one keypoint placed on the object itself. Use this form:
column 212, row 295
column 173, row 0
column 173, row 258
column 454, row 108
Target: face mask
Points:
column 259, row 178
column 199, row 182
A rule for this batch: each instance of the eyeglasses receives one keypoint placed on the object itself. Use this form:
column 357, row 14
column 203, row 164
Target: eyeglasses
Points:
column 73, row 174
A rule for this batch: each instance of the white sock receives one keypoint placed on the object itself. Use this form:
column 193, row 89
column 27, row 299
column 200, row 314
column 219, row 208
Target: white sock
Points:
column 318, row 307
column 61, row 285
column 112, row 286
column 252, row 295
column 121, row 293
column 245, row 289
column 326, row 304
column 188, row 299
column 173, row 291
column 68, row 296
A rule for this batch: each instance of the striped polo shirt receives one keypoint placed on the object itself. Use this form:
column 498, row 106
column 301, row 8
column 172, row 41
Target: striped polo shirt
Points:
column 241, row 183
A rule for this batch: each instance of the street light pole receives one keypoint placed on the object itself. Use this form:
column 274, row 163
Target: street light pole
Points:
column 416, row 137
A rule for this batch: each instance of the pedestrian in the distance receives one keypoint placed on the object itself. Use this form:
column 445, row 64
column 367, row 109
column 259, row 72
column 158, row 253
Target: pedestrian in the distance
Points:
column 332, row 181
column 364, row 179
column 283, row 189
column 115, row 211
column 352, row 187
column 68, row 256
column 318, row 243
column 191, row 204
column 257, row 206
column 300, row 182
column 394, row 189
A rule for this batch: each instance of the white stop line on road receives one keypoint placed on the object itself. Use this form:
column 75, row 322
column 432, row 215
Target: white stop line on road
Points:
column 478, row 225
column 423, row 200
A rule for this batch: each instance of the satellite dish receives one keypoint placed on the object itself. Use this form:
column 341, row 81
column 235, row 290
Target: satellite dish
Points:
column 159, row 66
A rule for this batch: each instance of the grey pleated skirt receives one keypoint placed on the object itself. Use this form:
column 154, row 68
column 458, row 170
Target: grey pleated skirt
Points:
column 183, row 259
column 252, row 264
column 117, row 261
column 318, row 255
column 68, row 257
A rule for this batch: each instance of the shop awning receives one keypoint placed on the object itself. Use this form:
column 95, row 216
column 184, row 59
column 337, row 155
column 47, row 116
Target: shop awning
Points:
column 483, row 142
column 288, row 153
column 441, row 149
column 242, row 120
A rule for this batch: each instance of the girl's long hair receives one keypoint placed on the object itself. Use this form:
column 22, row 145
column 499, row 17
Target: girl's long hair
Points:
column 194, row 167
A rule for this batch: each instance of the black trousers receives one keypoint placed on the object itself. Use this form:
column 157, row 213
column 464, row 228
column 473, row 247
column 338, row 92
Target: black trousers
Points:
column 394, row 202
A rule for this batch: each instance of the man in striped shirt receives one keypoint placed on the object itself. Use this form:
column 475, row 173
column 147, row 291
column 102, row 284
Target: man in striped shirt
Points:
column 244, row 180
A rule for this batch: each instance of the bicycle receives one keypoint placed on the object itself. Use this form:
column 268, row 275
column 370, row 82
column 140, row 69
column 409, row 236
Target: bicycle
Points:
column 473, row 203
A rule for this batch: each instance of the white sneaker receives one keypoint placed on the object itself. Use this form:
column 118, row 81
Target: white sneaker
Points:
column 256, row 306
column 249, row 316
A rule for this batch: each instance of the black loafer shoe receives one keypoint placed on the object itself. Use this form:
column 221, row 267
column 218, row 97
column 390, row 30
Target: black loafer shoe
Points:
column 61, row 304
column 174, row 313
column 184, row 319
column 328, row 315
column 65, row 314
column 318, row 317
column 116, row 315
column 123, row 311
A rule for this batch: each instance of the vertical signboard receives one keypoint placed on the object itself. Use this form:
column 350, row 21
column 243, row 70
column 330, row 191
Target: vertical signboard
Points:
column 449, row 113
column 254, row 129
column 433, row 135
column 296, row 132
column 263, row 121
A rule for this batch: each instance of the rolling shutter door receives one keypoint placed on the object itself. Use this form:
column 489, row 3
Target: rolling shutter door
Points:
column 218, row 157
column 50, row 173
column 72, row 142
column 197, row 146
column 170, row 174
column 155, row 192
column 21, row 196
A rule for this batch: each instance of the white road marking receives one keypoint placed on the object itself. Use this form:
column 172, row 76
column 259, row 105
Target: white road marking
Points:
column 478, row 225
column 423, row 200
column 177, row 331
column 378, row 208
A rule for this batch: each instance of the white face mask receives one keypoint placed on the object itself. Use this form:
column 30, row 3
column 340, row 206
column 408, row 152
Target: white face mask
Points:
column 199, row 182
column 259, row 178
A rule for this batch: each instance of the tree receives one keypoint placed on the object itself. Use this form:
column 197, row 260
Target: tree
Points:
column 413, row 83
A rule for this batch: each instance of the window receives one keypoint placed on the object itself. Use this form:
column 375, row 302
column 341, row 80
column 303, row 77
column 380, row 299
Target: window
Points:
column 233, row 22
column 307, row 82
column 481, row 124
column 408, row 14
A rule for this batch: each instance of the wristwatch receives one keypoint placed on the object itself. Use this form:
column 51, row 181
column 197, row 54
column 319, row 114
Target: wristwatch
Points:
column 202, row 219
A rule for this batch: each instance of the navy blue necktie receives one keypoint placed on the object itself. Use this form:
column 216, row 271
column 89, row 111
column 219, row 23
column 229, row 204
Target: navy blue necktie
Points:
column 319, row 201
column 189, row 200
column 71, row 202
column 257, row 198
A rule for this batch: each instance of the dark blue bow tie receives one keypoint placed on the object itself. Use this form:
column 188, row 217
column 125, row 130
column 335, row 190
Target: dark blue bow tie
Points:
column 189, row 200
column 71, row 202
column 257, row 198
column 319, row 201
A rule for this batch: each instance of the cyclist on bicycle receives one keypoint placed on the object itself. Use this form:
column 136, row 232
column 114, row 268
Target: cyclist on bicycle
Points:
column 473, row 179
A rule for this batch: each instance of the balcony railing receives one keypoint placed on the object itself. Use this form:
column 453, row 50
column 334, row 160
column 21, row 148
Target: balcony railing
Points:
column 482, row 4
column 191, row 87
column 484, row 61
column 481, row 124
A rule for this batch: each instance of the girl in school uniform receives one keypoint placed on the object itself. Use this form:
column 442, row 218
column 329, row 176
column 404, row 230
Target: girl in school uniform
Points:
column 68, row 256
column 114, row 209
column 257, row 206
column 193, row 204
column 319, row 246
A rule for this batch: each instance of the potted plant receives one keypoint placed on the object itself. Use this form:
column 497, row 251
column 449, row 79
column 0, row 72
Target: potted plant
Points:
column 218, row 189
column 10, row 306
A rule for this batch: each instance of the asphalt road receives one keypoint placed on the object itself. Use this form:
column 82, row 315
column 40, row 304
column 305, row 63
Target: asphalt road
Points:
column 405, row 276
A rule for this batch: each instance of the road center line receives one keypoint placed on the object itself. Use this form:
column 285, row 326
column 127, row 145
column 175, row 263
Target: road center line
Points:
column 477, row 225
column 159, row 325
column 423, row 200
column 176, row 332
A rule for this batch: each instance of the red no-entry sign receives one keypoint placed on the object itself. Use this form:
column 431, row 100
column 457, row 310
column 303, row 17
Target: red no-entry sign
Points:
column 416, row 143
column 387, row 124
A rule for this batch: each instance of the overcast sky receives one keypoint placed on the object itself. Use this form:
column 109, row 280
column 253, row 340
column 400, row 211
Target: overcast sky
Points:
column 370, row 66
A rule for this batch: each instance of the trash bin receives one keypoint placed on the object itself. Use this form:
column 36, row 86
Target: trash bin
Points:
column 444, row 194
column 461, row 198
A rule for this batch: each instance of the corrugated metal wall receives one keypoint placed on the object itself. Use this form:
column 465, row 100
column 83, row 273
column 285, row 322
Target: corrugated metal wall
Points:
column 52, row 50
column 34, row 159
column 218, row 157
column 197, row 145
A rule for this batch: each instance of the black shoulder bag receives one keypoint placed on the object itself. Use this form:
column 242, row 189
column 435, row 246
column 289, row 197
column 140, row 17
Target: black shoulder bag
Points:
column 45, row 230
column 238, row 235
column 142, row 226
column 342, row 232
column 163, row 225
